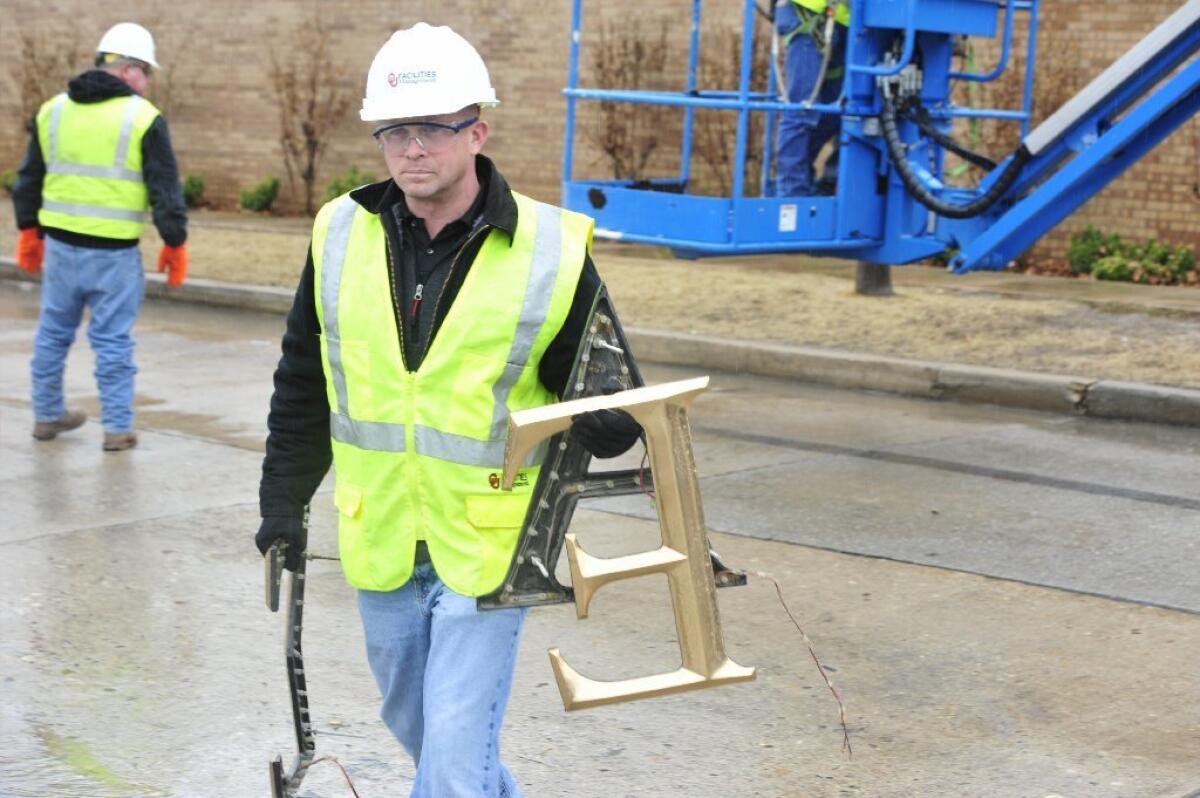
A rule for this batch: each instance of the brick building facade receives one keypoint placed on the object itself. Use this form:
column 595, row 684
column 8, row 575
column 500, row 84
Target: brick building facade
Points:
column 224, row 118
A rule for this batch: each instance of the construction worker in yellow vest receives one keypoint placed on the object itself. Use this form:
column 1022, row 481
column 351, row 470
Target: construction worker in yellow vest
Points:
column 432, row 305
column 99, row 156
column 814, row 35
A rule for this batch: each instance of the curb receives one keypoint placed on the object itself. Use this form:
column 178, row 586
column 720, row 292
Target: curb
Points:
column 1065, row 394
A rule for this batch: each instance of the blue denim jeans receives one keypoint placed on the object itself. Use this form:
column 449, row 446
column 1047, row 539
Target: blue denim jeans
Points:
column 444, row 670
column 109, row 283
column 802, row 134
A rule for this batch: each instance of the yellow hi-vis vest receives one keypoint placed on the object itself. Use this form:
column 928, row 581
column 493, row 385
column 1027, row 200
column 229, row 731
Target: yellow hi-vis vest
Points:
column 418, row 455
column 841, row 14
column 93, row 154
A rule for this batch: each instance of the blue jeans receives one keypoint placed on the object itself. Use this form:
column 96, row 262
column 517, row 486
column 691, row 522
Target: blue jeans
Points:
column 109, row 283
column 802, row 134
column 444, row 670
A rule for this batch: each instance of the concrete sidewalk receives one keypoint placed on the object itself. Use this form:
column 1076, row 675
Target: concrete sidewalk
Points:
column 1088, row 395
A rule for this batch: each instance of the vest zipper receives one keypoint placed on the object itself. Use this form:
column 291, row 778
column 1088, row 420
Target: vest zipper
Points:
column 395, row 299
column 453, row 264
column 416, row 304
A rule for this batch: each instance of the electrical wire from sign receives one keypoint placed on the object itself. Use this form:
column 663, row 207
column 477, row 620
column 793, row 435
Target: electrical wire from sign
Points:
column 345, row 775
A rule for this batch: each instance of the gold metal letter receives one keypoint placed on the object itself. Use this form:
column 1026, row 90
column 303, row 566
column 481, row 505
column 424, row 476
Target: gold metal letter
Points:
column 683, row 556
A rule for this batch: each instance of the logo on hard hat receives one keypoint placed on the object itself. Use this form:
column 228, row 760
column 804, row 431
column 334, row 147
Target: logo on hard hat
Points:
column 394, row 79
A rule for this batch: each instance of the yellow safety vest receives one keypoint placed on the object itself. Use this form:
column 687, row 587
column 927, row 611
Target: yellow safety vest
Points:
column 841, row 15
column 93, row 154
column 418, row 455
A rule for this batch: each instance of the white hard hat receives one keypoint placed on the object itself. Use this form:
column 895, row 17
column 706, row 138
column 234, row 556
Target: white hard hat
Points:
column 425, row 71
column 130, row 40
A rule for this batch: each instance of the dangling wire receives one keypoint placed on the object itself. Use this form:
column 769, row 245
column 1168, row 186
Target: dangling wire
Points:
column 345, row 775
column 813, row 653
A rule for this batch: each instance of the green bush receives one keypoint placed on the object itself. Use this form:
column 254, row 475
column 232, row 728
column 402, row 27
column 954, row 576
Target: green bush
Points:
column 261, row 197
column 1113, row 267
column 1088, row 247
column 1106, row 257
column 1181, row 261
column 193, row 190
column 346, row 182
column 8, row 180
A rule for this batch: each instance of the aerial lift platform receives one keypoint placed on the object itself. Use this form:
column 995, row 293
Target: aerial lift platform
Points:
column 893, row 204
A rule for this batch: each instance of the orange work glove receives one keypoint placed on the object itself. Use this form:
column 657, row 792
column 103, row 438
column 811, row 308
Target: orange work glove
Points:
column 30, row 250
column 173, row 260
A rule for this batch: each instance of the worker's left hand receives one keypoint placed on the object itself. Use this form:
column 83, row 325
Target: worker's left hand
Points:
column 30, row 250
column 605, row 433
column 284, row 529
column 173, row 260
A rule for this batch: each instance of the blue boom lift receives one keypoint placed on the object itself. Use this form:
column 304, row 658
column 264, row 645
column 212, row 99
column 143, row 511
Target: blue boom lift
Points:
column 892, row 204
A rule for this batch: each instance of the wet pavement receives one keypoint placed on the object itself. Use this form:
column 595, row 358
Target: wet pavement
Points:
column 1006, row 600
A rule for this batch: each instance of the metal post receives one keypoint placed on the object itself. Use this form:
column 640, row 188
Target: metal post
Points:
column 572, row 83
column 685, row 156
column 1027, row 100
column 873, row 279
column 743, row 124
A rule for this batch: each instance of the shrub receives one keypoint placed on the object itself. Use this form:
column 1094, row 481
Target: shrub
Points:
column 1106, row 257
column 1088, row 247
column 261, row 197
column 1112, row 267
column 346, row 182
column 193, row 190
column 8, row 179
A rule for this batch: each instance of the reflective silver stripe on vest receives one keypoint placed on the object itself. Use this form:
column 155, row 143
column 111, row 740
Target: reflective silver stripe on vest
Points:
column 373, row 435
column 458, row 448
column 122, row 153
column 117, row 171
column 466, row 451
column 337, row 238
column 547, row 245
column 93, row 211
column 52, row 133
column 87, row 170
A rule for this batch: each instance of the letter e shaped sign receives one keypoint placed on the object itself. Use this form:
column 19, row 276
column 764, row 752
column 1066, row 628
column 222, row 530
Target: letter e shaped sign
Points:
column 683, row 557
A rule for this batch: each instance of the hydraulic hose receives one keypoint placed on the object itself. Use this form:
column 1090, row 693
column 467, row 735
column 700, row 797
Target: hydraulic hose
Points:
column 899, row 159
column 925, row 125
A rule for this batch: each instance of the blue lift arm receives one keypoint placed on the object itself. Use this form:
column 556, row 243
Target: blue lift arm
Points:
column 1119, row 117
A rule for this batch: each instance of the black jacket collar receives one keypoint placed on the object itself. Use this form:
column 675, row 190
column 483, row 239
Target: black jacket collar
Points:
column 95, row 86
column 499, row 207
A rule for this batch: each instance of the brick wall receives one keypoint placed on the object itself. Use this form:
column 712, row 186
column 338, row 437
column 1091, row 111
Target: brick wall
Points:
column 224, row 120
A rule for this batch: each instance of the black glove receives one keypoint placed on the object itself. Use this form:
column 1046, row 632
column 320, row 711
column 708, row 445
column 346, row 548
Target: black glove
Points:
column 284, row 529
column 605, row 433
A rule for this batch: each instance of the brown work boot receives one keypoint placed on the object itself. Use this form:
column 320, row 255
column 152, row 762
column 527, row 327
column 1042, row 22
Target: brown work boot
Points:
column 47, row 430
column 119, row 441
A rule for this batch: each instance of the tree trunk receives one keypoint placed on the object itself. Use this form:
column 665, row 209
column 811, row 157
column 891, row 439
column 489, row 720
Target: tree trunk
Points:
column 873, row 279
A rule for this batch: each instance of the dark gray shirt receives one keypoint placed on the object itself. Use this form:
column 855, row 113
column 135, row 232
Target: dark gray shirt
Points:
column 425, row 264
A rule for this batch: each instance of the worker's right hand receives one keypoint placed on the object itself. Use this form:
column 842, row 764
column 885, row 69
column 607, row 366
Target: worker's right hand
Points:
column 30, row 250
column 174, row 261
column 283, row 529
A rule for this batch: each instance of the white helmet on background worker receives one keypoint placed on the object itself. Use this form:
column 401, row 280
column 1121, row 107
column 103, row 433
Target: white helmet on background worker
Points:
column 130, row 40
column 425, row 71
